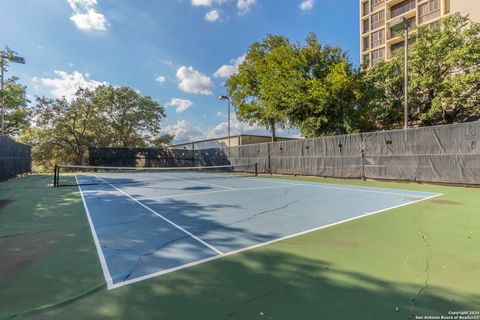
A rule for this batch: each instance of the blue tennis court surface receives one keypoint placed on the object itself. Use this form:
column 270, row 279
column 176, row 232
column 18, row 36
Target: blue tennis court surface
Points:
column 148, row 226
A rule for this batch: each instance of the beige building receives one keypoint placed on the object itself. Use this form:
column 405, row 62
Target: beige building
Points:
column 235, row 141
column 377, row 39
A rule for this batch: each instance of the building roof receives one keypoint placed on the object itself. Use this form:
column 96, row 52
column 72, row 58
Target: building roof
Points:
column 233, row 136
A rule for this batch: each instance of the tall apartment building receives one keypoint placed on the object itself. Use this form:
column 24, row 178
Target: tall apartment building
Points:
column 378, row 41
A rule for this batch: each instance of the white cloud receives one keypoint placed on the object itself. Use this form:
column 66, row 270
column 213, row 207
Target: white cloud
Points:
column 244, row 5
column 236, row 127
column 86, row 17
column 207, row 3
column 160, row 79
column 307, row 5
column 180, row 104
column 192, row 81
column 184, row 131
column 228, row 70
column 65, row 85
column 212, row 16
column 167, row 62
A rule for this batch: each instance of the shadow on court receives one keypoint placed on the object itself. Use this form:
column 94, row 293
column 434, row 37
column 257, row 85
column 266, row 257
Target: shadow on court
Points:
column 362, row 270
column 265, row 285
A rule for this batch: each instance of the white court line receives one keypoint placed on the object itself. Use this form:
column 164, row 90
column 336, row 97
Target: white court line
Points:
column 165, row 219
column 117, row 285
column 200, row 182
column 103, row 262
column 336, row 187
column 218, row 191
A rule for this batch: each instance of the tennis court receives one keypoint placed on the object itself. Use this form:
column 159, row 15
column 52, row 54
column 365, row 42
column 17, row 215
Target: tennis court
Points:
column 146, row 224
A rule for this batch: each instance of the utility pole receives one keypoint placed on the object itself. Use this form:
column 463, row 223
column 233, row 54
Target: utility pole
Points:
column 403, row 24
column 405, row 111
column 228, row 99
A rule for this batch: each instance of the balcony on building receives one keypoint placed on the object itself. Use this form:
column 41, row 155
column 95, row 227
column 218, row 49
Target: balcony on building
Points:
column 428, row 10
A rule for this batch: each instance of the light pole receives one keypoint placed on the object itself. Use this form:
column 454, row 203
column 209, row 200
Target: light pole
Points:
column 403, row 24
column 228, row 99
column 5, row 55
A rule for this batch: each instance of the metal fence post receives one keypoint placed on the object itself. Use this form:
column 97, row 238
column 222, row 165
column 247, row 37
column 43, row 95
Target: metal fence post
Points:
column 363, row 157
column 269, row 160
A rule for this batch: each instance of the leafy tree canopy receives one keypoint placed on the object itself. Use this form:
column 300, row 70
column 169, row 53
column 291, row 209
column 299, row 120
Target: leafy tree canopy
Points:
column 311, row 86
column 257, row 89
column 444, row 82
column 106, row 116
column 17, row 111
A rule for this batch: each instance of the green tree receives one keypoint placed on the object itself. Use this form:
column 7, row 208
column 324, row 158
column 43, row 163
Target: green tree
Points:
column 161, row 141
column 17, row 111
column 382, row 109
column 106, row 116
column 444, row 67
column 312, row 87
column 325, row 97
column 256, row 90
column 133, row 119
column 69, row 127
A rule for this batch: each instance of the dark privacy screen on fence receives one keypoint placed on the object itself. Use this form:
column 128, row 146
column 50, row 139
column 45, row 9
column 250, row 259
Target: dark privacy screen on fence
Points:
column 15, row 159
column 447, row 154
column 146, row 157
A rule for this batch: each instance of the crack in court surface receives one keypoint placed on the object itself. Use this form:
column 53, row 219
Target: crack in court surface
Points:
column 176, row 219
column 427, row 277
column 268, row 294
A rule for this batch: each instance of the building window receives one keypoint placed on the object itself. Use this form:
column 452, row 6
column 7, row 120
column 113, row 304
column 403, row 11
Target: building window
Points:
column 365, row 26
column 428, row 11
column 365, row 60
column 378, row 38
column 365, row 8
column 376, row 4
column 378, row 19
column 377, row 56
column 401, row 8
column 365, row 44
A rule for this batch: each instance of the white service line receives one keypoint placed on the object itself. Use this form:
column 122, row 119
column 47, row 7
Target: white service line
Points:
column 103, row 262
column 148, row 276
column 164, row 218
column 336, row 187
column 219, row 191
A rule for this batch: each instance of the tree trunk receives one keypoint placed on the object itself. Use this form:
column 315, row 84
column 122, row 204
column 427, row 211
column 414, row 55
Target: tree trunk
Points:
column 272, row 127
column 81, row 155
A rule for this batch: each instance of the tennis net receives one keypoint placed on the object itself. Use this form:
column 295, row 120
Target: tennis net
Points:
column 72, row 175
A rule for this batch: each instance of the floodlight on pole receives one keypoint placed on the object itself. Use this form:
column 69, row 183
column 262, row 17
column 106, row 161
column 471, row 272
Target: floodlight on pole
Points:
column 403, row 24
column 5, row 55
column 228, row 99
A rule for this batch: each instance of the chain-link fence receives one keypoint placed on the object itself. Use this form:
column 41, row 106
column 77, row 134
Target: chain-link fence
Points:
column 446, row 154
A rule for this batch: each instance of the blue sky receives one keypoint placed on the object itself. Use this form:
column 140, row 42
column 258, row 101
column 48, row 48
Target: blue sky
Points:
column 176, row 51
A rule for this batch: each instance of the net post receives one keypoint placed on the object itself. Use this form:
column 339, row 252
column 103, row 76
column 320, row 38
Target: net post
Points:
column 256, row 169
column 55, row 176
